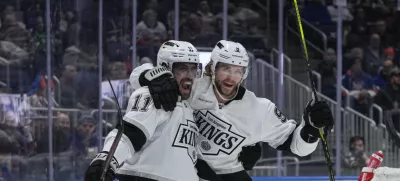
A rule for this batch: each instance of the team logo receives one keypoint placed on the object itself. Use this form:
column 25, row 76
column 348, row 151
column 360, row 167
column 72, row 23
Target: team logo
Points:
column 216, row 135
column 186, row 138
column 237, row 50
column 280, row 115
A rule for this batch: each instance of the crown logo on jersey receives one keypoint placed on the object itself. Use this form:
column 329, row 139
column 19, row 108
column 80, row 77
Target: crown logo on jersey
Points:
column 205, row 146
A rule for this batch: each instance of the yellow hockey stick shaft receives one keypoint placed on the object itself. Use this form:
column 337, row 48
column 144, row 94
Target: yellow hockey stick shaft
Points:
column 306, row 57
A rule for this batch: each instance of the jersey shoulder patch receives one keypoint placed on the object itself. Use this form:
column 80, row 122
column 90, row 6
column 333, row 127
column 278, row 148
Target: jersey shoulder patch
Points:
column 279, row 115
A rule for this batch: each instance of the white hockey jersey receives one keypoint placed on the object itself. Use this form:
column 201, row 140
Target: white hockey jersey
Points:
column 169, row 153
column 246, row 120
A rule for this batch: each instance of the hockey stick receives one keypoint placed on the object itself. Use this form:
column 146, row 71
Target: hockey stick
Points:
column 321, row 133
column 114, row 145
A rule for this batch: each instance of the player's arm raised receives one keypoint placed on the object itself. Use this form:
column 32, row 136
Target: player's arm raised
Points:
column 140, row 123
column 300, row 138
column 161, row 83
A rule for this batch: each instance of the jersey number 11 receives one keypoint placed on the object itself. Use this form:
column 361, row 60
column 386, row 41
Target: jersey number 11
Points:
column 142, row 106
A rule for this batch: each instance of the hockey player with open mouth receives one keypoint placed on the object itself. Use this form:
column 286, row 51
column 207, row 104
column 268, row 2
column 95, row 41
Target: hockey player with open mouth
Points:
column 157, row 144
column 229, row 117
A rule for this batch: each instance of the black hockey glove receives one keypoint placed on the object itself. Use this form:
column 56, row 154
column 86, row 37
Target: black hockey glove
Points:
column 162, row 86
column 205, row 172
column 93, row 173
column 317, row 115
column 250, row 156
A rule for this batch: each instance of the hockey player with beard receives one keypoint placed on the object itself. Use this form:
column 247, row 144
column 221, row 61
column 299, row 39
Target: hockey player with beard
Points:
column 157, row 144
column 230, row 117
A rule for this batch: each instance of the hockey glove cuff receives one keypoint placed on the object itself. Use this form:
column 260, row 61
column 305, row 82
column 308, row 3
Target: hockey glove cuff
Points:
column 309, row 134
column 93, row 173
column 102, row 157
column 149, row 75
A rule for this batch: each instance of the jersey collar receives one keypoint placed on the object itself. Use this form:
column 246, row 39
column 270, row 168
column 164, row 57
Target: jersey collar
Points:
column 239, row 95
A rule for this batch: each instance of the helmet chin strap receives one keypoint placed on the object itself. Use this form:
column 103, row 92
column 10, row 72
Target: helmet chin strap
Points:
column 219, row 94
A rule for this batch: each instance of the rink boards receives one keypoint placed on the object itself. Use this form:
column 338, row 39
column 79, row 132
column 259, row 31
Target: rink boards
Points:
column 344, row 178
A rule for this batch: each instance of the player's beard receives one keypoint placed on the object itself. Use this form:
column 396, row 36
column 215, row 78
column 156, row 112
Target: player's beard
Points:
column 227, row 89
column 185, row 86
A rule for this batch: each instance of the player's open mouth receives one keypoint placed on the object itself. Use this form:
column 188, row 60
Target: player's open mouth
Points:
column 229, row 85
column 186, row 85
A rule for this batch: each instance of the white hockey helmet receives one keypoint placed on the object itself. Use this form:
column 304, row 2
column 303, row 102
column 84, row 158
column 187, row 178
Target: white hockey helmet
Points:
column 230, row 52
column 174, row 51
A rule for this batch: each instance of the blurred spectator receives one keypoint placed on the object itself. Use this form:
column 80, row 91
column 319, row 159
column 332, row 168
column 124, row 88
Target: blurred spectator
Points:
column 68, row 91
column 10, row 125
column 331, row 6
column 150, row 29
column 373, row 54
column 357, row 157
column 13, row 54
column 355, row 53
column 118, row 75
column 74, row 30
column 233, row 23
column 117, row 71
column 389, row 54
column 39, row 35
column 360, row 86
column 359, row 24
column 389, row 96
column 206, row 16
column 61, row 131
column 145, row 60
column 355, row 78
column 84, row 59
column 191, row 28
column 243, row 12
column 62, row 22
column 380, row 28
column 83, row 138
column 383, row 77
column 8, row 10
column 117, row 47
column 327, row 69
column 13, row 32
column 8, row 143
column 37, row 96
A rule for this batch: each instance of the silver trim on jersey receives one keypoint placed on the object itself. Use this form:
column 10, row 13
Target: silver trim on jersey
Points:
column 143, row 174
